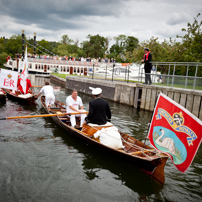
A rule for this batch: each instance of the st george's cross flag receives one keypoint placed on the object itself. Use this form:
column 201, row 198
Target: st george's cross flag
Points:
column 24, row 73
column 175, row 131
column 8, row 79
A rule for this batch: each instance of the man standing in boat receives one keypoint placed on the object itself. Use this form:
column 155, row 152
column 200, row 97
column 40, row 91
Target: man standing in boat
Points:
column 147, row 58
column 99, row 110
column 47, row 90
column 75, row 104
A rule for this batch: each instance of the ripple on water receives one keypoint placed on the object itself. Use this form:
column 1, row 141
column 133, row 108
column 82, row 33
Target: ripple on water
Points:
column 41, row 162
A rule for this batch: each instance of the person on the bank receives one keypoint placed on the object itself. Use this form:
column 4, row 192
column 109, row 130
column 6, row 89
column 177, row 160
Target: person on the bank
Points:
column 99, row 110
column 47, row 90
column 28, row 85
column 147, row 58
column 75, row 104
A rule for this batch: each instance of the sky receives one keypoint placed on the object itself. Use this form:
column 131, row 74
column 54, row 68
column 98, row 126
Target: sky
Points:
column 51, row 19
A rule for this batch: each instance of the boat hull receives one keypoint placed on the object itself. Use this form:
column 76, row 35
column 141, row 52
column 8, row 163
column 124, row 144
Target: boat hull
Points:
column 24, row 101
column 149, row 166
column 2, row 98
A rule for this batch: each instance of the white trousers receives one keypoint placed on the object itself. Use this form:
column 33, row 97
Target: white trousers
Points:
column 50, row 99
column 73, row 118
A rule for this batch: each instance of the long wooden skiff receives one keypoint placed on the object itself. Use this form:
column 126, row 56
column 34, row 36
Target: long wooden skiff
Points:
column 22, row 99
column 2, row 96
column 142, row 156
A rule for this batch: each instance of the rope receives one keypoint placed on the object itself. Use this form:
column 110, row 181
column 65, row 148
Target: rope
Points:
column 45, row 49
column 40, row 49
column 141, row 149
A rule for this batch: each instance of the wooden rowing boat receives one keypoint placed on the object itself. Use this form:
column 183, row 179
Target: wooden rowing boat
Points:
column 143, row 156
column 20, row 98
column 2, row 96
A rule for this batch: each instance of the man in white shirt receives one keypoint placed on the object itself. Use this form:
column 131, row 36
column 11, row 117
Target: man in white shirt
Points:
column 75, row 104
column 47, row 90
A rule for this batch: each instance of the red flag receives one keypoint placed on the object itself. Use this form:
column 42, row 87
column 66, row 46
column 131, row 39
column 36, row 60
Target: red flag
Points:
column 175, row 131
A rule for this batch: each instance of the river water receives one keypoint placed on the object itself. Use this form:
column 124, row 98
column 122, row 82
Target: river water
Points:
column 39, row 161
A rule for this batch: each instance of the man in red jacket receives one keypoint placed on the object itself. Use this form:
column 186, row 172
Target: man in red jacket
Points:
column 147, row 58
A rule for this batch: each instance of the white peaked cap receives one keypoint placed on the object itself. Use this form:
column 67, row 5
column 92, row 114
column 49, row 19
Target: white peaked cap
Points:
column 96, row 91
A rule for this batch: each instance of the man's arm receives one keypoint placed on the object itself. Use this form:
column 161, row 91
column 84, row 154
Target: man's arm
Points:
column 74, row 109
column 81, row 104
column 108, row 112
column 89, row 117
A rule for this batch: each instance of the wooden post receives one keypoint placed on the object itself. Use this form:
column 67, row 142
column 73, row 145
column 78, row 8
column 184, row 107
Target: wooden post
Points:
column 34, row 43
column 23, row 43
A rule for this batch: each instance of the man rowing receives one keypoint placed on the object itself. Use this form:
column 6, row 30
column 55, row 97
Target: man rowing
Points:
column 99, row 110
column 47, row 90
column 75, row 104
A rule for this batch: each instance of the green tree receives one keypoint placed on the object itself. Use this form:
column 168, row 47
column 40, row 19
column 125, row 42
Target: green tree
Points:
column 95, row 47
column 3, row 58
column 62, row 50
column 191, row 41
column 66, row 40
column 122, row 50
column 2, row 46
column 14, row 45
column 43, row 46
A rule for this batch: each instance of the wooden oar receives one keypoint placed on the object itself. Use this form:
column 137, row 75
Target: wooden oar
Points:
column 42, row 115
column 37, row 86
column 56, row 87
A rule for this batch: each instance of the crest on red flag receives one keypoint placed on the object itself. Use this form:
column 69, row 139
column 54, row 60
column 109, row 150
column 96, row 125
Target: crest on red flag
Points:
column 175, row 131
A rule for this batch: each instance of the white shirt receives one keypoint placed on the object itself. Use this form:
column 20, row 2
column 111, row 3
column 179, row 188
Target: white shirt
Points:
column 47, row 90
column 71, row 102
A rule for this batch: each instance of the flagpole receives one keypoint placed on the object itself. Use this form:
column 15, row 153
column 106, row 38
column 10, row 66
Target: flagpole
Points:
column 24, row 73
column 149, row 124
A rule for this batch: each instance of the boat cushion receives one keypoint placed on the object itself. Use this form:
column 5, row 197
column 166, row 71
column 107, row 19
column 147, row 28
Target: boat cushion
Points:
column 110, row 137
column 107, row 124
column 25, row 95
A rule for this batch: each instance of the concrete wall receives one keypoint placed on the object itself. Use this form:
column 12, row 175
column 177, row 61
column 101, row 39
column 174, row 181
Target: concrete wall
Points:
column 115, row 91
column 58, row 80
column 190, row 99
column 131, row 93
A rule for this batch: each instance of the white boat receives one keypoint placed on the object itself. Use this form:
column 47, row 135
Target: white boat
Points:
column 42, row 67
column 100, row 72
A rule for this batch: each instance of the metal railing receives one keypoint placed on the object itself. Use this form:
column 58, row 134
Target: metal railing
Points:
column 163, row 73
column 171, row 79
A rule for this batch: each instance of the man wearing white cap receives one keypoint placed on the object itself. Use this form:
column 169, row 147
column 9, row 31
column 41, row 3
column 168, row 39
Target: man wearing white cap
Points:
column 99, row 110
column 75, row 104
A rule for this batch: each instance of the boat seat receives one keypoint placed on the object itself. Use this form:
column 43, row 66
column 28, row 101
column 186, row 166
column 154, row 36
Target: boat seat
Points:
column 55, row 109
column 140, row 152
column 121, row 150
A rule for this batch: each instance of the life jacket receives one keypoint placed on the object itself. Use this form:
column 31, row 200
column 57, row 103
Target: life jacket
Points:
column 147, row 56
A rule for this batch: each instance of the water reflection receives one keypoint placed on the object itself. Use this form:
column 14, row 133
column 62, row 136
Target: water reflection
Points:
column 39, row 161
